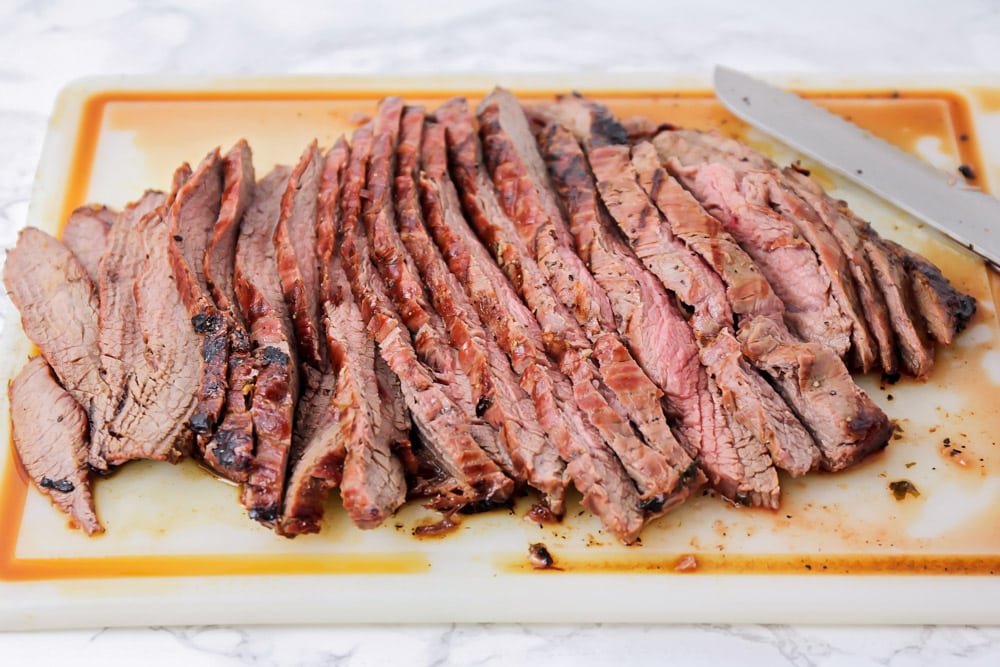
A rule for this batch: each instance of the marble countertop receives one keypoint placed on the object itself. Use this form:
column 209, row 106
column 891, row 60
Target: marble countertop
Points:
column 49, row 43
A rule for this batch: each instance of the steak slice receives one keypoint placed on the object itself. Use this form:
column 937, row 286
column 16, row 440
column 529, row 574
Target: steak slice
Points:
column 475, row 480
column 597, row 474
column 191, row 219
column 373, row 485
column 650, row 324
column 49, row 430
column 554, row 278
column 852, row 243
column 783, row 199
column 231, row 447
column 153, row 422
column 945, row 309
column 118, row 335
column 298, row 257
column 86, row 235
column 398, row 269
column 496, row 392
column 755, row 405
column 58, row 306
column 787, row 260
column 276, row 389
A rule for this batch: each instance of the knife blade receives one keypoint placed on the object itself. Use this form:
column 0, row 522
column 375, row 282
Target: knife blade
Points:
column 945, row 202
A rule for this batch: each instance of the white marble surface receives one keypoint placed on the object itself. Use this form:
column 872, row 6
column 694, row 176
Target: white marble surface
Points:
column 46, row 43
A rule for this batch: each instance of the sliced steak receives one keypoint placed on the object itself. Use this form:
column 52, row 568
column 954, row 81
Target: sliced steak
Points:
column 153, row 422
column 58, row 306
column 945, row 309
column 597, row 474
column 330, row 213
column 496, row 392
column 373, row 485
column 49, row 430
column 298, row 258
column 258, row 288
column 757, row 408
column 118, row 335
column 916, row 349
column 86, row 235
column 231, row 447
column 804, row 221
column 624, row 395
column 786, row 259
column 650, row 324
column 445, row 434
column 852, row 243
column 813, row 380
column 191, row 220
column 428, row 330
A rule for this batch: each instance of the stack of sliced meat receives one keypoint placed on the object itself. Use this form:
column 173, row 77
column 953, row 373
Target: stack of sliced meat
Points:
column 460, row 309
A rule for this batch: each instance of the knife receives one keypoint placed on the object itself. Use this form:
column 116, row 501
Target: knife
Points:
column 969, row 216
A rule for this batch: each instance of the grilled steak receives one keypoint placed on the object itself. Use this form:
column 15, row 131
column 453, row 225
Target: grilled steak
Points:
column 474, row 480
column 496, row 393
column 625, row 394
column 844, row 421
column 276, row 389
column 162, row 393
column 852, row 244
column 49, row 430
column 298, row 259
column 86, row 235
column 231, row 447
column 945, row 309
column 191, row 220
column 430, row 336
column 596, row 473
column 754, row 406
column 118, row 337
column 803, row 220
column 58, row 306
column 742, row 204
column 647, row 320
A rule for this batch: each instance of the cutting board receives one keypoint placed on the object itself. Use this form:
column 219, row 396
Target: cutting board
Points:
column 842, row 548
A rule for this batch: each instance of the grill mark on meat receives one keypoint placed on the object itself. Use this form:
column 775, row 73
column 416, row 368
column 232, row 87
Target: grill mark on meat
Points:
column 757, row 408
column 597, row 474
column 804, row 220
column 812, row 379
column 298, row 257
column 624, row 395
column 651, row 325
column 945, row 309
column 190, row 220
column 475, row 481
column 118, row 333
column 49, row 429
column 496, row 392
column 852, row 244
column 86, row 235
column 230, row 449
column 276, row 389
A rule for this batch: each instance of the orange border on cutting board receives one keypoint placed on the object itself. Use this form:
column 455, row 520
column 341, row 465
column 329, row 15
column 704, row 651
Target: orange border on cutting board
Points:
column 14, row 484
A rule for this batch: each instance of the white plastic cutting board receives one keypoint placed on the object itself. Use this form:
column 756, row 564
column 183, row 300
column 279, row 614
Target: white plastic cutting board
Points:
column 842, row 549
